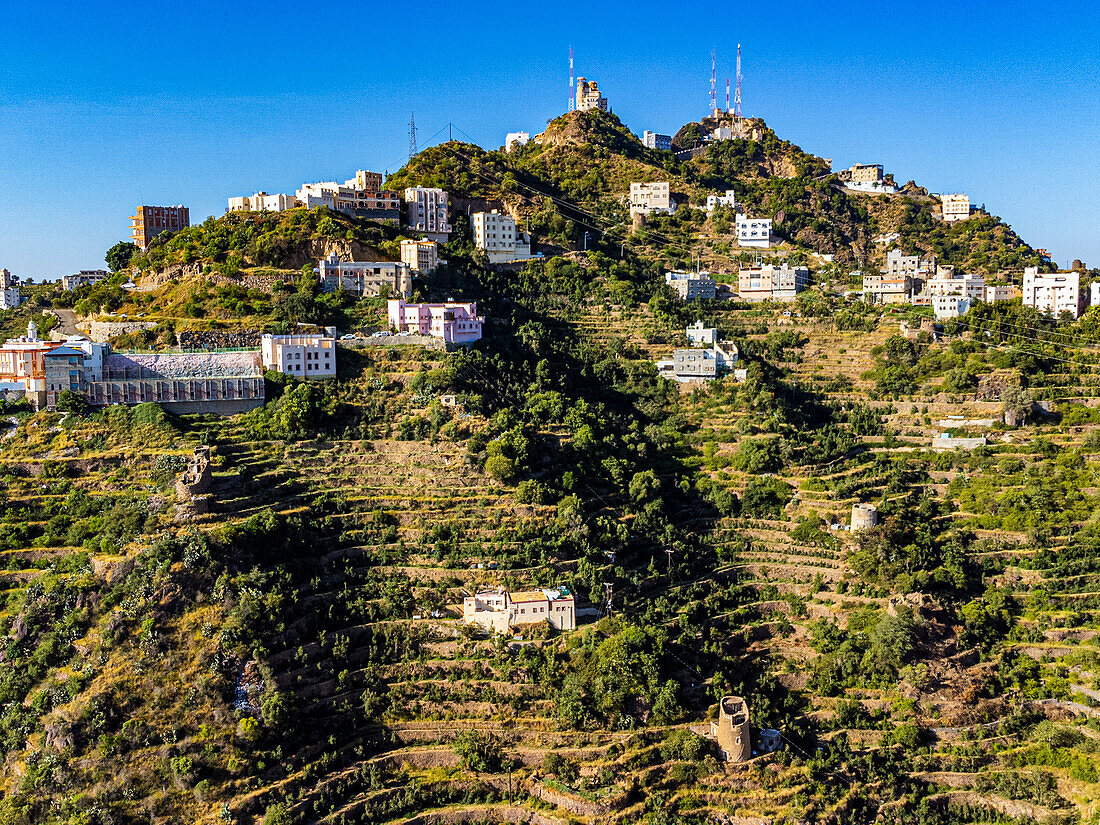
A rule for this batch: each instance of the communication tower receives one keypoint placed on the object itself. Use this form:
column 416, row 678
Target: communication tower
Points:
column 737, row 96
column 412, row 135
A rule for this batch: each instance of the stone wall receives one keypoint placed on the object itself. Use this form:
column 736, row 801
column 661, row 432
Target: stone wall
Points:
column 211, row 339
column 101, row 331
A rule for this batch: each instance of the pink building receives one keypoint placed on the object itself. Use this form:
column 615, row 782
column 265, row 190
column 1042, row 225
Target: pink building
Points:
column 455, row 323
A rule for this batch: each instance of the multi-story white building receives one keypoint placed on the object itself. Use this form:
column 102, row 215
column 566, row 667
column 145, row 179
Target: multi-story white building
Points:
column 699, row 363
column 366, row 278
column 420, row 256
column 946, row 282
column 700, row 335
column 499, row 611
column 780, row 283
column 754, row 232
column 722, row 133
column 955, row 207
column 300, row 356
column 453, row 322
column 866, row 177
column 646, row 198
column 715, row 200
column 1001, row 293
column 9, row 290
column 498, row 236
column 652, row 140
column 263, row 202
column 691, row 285
column 899, row 264
column 513, row 140
column 85, row 277
column 589, row 97
column 1055, row 293
column 426, row 212
column 951, row 305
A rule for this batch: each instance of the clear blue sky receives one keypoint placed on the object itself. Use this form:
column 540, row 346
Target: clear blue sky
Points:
column 104, row 106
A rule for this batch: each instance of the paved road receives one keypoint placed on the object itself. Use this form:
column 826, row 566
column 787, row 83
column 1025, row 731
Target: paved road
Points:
column 67, row 321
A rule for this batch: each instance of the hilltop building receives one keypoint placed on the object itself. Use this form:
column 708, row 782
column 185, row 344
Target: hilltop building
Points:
column 589, row 97
column 754, row 232
column 150, row 221
column 10, row 296
column 513, row 140
column 955, row 207
column 777, row 283
column 420, row 256
column 498, row 236
column 360, row 197
column 691, row 285
column 263, row 202
column 85, row 277
column 647, row 198
column 426, row 212
column 715, row 200
column 1055, row 293
column 300, row 356
column 866, row 177
column 365, row 278
column 652, row 140
column 500, row 611
column 453, row 322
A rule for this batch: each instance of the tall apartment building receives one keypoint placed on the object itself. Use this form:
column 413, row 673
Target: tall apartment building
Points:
column 714, row 200
column 589, row 97
column 691, row 285
column 453, row 322
column 263, row 202
column 754, row 232
column 779, row 283
column 420, row 256
column 646, row 198
column 150, row 221
column 300, row 356
column 652, row 140
column 513, row 140
column 426, row 212
column 10, row 297
column 366, row 278
column 1054, row 293
column 955, row 207
column 85, row 277
column 498, row 236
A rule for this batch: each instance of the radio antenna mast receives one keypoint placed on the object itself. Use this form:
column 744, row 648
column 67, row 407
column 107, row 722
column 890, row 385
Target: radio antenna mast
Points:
column 572, row 95
column 737, row 95
column 713, row 99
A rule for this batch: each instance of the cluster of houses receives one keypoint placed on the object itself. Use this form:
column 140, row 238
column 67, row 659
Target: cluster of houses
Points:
column 922, row 281
column 756, row 283
column 706, row 359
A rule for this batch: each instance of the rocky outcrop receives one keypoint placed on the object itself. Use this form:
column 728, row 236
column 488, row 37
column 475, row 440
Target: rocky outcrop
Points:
column 192, row 484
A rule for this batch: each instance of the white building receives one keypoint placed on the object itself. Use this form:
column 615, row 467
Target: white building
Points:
column 453, row 322
column 420, row 256
column 646, row 198
column 866, row 177
column 589, row 97
column 263, row 202
column 514, row 140
column 1094, row 294
column 498, row 236
column 700, row 335
column 955, row 207
column 366, row 278
column 715, row 200
column 779, row 283
column 950, row 306
column 754, row 232
column 1053, row 294
column 499, row 611
column 886, row 289
column 688, row 366
column 84, row 277
column 652, row 140
column 9, row 290
column 946, row 282
column 426, row 212
column 691, row 285
column 361, row 197
column 1001, row 293
column 300, row 356
column 722, row 133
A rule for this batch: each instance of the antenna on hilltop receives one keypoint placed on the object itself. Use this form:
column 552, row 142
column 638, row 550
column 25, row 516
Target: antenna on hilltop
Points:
column 412, row 135
column 713, row 100
column 727, row 95
column 737, row 95
column 572, row 96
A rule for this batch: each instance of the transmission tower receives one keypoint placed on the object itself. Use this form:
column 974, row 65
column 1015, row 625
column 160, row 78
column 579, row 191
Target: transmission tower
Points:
column 572, row 95
column 737, row 95
column 713, row 81
column 412, row 135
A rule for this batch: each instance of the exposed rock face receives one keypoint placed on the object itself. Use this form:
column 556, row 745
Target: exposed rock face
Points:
column 248, row 339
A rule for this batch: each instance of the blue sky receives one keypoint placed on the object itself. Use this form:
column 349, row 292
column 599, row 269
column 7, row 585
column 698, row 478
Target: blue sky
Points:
column 107, row 105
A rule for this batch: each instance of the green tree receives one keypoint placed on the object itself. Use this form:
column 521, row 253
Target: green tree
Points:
column 118, row 257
